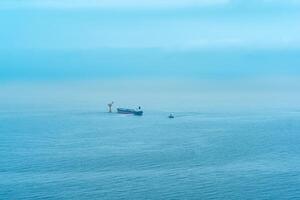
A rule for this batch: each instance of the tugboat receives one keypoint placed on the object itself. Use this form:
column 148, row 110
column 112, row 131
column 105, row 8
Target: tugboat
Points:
column 171, row 116
column 138, row 112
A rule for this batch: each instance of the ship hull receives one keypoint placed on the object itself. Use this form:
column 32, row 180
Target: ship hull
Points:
column 129, row 111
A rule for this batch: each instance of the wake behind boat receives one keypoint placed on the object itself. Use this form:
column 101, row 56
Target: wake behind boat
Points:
column 130, row 111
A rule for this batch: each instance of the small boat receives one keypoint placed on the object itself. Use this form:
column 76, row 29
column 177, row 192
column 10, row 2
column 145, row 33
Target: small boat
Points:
column 171, row 116
column 129, row 111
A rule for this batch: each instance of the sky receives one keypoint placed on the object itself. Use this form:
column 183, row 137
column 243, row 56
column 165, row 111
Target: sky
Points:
column 220, row 43
column 163, row 24
column 47, row 39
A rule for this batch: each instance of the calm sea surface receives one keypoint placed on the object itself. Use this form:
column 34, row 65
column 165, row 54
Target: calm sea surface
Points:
column 87, row 154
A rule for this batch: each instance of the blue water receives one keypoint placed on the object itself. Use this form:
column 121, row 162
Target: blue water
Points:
column 88, row 154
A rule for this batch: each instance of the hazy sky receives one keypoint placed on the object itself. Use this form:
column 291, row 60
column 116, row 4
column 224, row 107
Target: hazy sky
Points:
column 209, row 52
column 42, row 39
column 169, row 24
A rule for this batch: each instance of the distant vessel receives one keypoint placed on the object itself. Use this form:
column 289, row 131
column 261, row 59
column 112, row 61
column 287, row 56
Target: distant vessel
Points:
column 130, row 111
column 171, row 116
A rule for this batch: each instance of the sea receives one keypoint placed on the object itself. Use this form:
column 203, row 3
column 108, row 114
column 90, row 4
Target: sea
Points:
column 92, row 154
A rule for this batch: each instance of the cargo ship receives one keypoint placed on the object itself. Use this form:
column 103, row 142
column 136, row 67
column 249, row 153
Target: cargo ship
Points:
column 130, row 111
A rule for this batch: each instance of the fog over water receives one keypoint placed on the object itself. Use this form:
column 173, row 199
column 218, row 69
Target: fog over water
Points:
column 228, row 70
column 155, row 94
column 227, row 141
